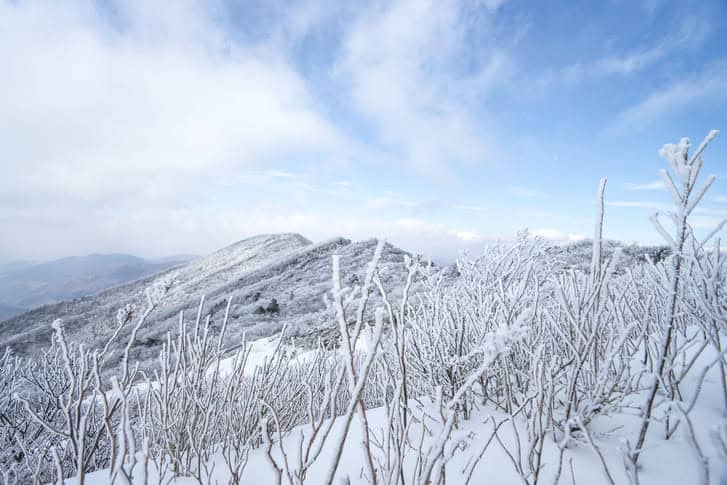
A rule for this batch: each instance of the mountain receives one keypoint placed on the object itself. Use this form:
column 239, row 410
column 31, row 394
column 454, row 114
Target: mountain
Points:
column 29, row 285
column 15, row 265
column 286, row 268
column 577, row 255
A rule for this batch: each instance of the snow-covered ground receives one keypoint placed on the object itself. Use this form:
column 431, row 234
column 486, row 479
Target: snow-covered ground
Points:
column 672, row 461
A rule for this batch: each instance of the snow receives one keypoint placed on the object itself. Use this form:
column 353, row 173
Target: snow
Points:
column 664, row 462
column 258, row 352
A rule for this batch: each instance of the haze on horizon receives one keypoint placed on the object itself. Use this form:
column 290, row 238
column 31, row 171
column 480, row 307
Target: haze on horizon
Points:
column 145, row 128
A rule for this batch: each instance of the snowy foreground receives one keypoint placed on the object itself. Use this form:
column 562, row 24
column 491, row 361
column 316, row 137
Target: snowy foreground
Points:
column 510, row 368
column 667, row 462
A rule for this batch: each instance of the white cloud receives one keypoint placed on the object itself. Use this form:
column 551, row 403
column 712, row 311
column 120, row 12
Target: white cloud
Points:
column 711, row 84
column 556, row 234
column 146, row 126
column 615, row 65
column 147, row 123
column 467, row 236
column 690, row 33
column 431, row 238
column 711, row 211
column 655, row 185
column 140, row 117
column 706, row 223
column 402, row 63
column 664, row 207
column 165, row 99
column 639, row 204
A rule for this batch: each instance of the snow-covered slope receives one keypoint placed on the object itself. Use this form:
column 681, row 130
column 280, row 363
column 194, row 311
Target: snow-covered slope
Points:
column 285, row 267
column 577, row 255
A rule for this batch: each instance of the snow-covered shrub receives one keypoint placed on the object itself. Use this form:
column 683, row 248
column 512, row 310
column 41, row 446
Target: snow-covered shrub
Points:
column 686, row 196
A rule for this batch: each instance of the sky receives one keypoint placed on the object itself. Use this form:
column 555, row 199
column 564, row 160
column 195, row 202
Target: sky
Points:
column 161, row 128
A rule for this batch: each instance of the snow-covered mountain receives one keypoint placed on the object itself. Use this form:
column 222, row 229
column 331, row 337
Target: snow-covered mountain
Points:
column 577, row 255
column 272, row 280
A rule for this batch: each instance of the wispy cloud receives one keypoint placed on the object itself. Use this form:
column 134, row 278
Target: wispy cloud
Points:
column 691, row 33
column 137, row 111
column 436, row 235
column 663, row 207
column 615, row 65
column 639, row 204
column 655, row 185
column 710, row 84
column 556, row 234
column 719, row 211
column 706, row 222
column 155, row 124
column 468, row 236
column 165, row 101
column 403, row 66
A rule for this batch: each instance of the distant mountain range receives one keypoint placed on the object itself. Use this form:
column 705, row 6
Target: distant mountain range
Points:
column 27, row 285
column 7, row 311
column 273, row 280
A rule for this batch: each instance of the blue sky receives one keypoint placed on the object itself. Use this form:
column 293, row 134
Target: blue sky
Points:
column 158, row 128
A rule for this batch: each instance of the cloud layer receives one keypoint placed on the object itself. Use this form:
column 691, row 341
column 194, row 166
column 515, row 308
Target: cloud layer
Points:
column 149, row 128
